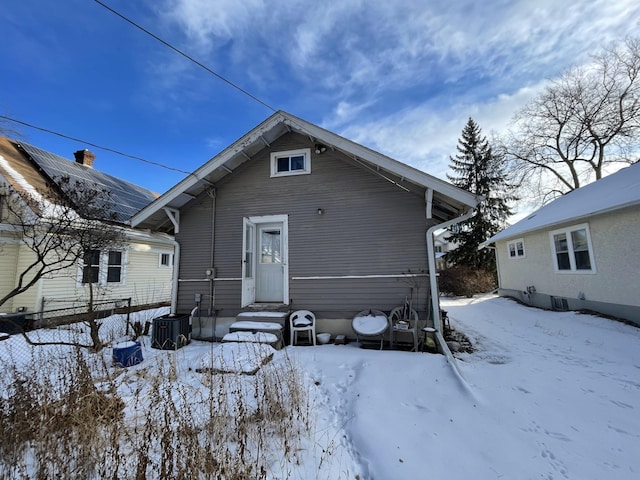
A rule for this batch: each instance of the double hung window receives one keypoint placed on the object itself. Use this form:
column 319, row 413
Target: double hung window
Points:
column 91, row 270
column 516, row 248
column 103, row 267
column 572, row 250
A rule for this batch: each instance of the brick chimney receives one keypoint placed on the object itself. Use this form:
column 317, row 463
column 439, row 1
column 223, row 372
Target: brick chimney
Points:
column 84, row 157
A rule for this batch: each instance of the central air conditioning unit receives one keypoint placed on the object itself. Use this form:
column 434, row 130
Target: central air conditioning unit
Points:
column 171, row 332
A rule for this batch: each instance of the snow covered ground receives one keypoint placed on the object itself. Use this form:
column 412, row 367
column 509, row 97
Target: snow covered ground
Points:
column 546, row 395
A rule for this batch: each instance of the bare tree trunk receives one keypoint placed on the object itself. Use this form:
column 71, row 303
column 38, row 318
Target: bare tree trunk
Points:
column 94, row 325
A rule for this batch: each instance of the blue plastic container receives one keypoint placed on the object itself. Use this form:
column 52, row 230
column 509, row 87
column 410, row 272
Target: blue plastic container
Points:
column 127, row 354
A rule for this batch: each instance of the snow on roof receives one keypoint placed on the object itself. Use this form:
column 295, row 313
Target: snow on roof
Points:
column 18, row 178
column 618, row 190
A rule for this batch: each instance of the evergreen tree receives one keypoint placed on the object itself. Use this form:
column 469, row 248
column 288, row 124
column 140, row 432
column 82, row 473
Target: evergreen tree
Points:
column 478, row 170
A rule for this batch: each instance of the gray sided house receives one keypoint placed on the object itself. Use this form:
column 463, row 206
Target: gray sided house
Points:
column 579, row 252
column 292, row 216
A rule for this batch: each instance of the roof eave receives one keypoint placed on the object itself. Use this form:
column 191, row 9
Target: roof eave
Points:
column 499, row 237
column 315, row 133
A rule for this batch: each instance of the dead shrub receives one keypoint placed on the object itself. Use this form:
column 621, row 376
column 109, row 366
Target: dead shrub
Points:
column 67, row 414
column 461, row 280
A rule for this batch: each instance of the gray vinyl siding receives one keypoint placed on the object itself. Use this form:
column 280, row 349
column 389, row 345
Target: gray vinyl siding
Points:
column 369, row 227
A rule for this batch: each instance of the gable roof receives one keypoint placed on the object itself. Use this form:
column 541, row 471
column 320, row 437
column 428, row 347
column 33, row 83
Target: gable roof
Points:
column 448, row 201
column 614, row 192
column 31, row 168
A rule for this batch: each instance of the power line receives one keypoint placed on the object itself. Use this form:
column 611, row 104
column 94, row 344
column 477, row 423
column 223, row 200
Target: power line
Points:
column 93, row 144
column 188, row 57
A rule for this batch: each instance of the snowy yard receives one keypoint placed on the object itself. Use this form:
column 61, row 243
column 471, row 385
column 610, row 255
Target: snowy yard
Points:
column 546, row 395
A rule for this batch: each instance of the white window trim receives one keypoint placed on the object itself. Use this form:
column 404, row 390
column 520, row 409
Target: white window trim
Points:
column 306, row 152
column 123, row 268
column 572, row 258
column 104, row 268
column 160, row 264
column 515, row 244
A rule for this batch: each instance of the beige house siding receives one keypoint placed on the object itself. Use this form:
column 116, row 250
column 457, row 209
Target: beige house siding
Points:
column 28, row 299
column 614, row 237
column 145, row 281
column 8, row 258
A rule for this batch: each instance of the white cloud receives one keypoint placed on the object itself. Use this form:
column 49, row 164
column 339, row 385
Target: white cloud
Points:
column 404, row 76
column 208, row 23
column 425, row 137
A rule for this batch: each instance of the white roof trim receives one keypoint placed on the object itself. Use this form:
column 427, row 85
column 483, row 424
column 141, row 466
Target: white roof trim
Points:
column 615, row 192
column 318, row 134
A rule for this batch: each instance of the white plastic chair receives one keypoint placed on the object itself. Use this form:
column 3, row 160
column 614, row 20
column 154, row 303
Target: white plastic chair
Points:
column 404, row 321
column 302, row 321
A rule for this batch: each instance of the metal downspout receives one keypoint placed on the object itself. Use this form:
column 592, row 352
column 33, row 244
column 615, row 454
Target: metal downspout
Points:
column 174, row 280
column 433, row 280
column 212, row 294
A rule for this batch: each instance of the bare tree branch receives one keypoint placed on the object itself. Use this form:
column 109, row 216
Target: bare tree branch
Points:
column 59, row 228
column 583, row 123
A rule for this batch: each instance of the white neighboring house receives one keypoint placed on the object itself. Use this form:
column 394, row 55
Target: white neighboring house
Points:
column 141, row 270
column 442, row 246
column 579, row 252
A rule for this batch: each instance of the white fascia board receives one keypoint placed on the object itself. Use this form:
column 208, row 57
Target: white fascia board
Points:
column 389, row 164
column 514, row 232
column 211, row 165
column 321, row 135
column 148, row 236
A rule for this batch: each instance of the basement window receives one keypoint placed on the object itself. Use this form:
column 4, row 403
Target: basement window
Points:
column 292, row 162
column 558, row 303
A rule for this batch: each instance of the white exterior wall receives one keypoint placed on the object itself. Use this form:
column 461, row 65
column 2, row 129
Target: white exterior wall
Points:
column 615, row 238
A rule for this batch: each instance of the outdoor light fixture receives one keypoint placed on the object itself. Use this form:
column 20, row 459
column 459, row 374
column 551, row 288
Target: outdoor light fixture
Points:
column 320, row 211
column 320, row 148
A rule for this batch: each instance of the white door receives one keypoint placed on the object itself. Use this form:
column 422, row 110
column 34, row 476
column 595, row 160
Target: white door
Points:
column 269, row 268
column 248, row 263
column 265, row 261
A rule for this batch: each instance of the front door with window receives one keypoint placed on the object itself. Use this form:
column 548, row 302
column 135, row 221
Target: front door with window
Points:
column 265, row 265
column 269, row 268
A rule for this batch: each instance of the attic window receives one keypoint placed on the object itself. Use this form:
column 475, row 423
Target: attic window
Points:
column 292, row 162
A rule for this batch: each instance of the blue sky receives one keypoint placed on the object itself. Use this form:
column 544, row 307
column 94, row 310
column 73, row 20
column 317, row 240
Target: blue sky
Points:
column 401, row 77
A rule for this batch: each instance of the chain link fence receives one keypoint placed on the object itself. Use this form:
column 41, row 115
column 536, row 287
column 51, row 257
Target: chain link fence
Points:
column 59, row 330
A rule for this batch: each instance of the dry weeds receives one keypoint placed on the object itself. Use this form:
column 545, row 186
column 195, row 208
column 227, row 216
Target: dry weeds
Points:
column 70, row 415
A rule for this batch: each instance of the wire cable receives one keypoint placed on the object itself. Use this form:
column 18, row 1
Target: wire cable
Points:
column 107, row 149
column 185, row 55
